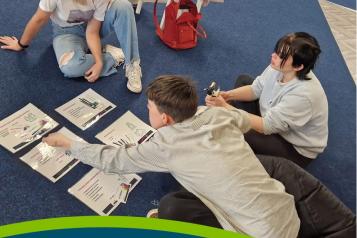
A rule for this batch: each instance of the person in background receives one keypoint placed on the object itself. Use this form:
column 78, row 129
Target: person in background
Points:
column 224, row 184
column 287, row 104
column 78, row 26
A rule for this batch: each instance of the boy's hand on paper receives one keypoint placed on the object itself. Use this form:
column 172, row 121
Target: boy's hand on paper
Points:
column 205, row 2
column 10, row 43
column 93, row 73
column 57, row 140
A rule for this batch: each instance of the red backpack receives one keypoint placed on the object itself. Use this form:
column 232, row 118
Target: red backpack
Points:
column 180, row 32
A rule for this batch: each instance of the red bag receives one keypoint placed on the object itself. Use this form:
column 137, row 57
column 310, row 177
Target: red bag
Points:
column 180, row 33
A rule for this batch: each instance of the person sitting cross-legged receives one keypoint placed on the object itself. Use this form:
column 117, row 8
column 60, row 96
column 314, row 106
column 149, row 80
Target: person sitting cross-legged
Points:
column 78, row 26
column 287, row 105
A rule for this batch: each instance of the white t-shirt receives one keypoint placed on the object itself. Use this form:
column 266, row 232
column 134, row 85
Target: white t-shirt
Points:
column 66, row 13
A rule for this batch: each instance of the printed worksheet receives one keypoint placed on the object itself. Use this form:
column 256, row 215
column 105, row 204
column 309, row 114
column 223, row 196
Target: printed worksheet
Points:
column 51, row 162
column 127, row 131
column 104, row 192
column 86, row 109
column 24, row 127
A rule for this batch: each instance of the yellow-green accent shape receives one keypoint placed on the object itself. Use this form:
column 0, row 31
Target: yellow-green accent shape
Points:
column 115, row 222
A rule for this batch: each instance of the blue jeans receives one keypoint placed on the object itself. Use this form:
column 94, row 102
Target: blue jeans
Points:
column 119, row 19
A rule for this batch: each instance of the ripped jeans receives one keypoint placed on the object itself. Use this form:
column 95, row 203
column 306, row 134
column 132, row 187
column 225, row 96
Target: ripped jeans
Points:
column 69, row 43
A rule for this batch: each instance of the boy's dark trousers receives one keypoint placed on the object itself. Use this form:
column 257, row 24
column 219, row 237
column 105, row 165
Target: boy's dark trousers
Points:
column 184, row 206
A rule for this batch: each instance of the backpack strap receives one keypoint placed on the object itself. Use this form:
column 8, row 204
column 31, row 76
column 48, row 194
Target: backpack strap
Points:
column 199, row 30
column 156, row 21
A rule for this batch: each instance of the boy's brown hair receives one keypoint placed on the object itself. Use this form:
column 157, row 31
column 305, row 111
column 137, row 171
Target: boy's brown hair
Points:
column 174, row 95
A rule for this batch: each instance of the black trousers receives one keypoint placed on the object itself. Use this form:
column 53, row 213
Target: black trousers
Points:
column 184, row 206
column 267, row 144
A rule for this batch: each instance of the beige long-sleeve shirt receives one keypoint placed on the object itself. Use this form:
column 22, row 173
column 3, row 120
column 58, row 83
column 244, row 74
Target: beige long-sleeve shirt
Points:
column 207, row 154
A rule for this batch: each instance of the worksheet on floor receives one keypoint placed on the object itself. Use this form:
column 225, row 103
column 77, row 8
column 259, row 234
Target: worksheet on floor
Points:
column 128, row 130
column 86, row 109
column 104, row 192
column 52, row 162
column 24, row 127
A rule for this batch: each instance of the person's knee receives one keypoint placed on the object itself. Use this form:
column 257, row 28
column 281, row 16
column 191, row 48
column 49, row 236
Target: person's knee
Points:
column 168, row 208
column 254, row 140
column 69, row 64
column 65, row 58
column 243, row 80
column 122, row 7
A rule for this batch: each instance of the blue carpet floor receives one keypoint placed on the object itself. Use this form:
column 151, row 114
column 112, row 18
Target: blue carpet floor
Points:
column 241, row 37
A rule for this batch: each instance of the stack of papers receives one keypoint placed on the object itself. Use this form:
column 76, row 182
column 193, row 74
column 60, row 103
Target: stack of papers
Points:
column 104, row 192
column 100, row 191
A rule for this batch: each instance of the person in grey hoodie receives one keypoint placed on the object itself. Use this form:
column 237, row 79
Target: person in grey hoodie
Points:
column 287, row 104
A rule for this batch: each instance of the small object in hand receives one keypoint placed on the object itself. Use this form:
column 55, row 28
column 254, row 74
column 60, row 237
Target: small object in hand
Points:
column 213, row 89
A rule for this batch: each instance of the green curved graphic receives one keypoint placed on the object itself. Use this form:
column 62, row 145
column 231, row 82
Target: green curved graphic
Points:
column 114, row 222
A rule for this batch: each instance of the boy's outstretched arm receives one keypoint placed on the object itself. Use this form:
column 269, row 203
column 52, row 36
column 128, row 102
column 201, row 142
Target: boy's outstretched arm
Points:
column 35, row 24
column 137, row 159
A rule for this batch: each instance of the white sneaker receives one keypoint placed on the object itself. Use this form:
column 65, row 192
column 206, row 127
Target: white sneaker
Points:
column 133, row 73
column 116, row 53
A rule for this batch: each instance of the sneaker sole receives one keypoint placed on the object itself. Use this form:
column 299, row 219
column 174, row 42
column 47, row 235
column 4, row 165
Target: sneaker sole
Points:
column 134, row 90
column 151, row 212
column 105, row 50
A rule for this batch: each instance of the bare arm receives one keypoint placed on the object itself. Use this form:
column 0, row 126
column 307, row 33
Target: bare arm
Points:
column 244, row 93
column 93, row 39
column 256, row 122
column 94, row 44
column 38, row 20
